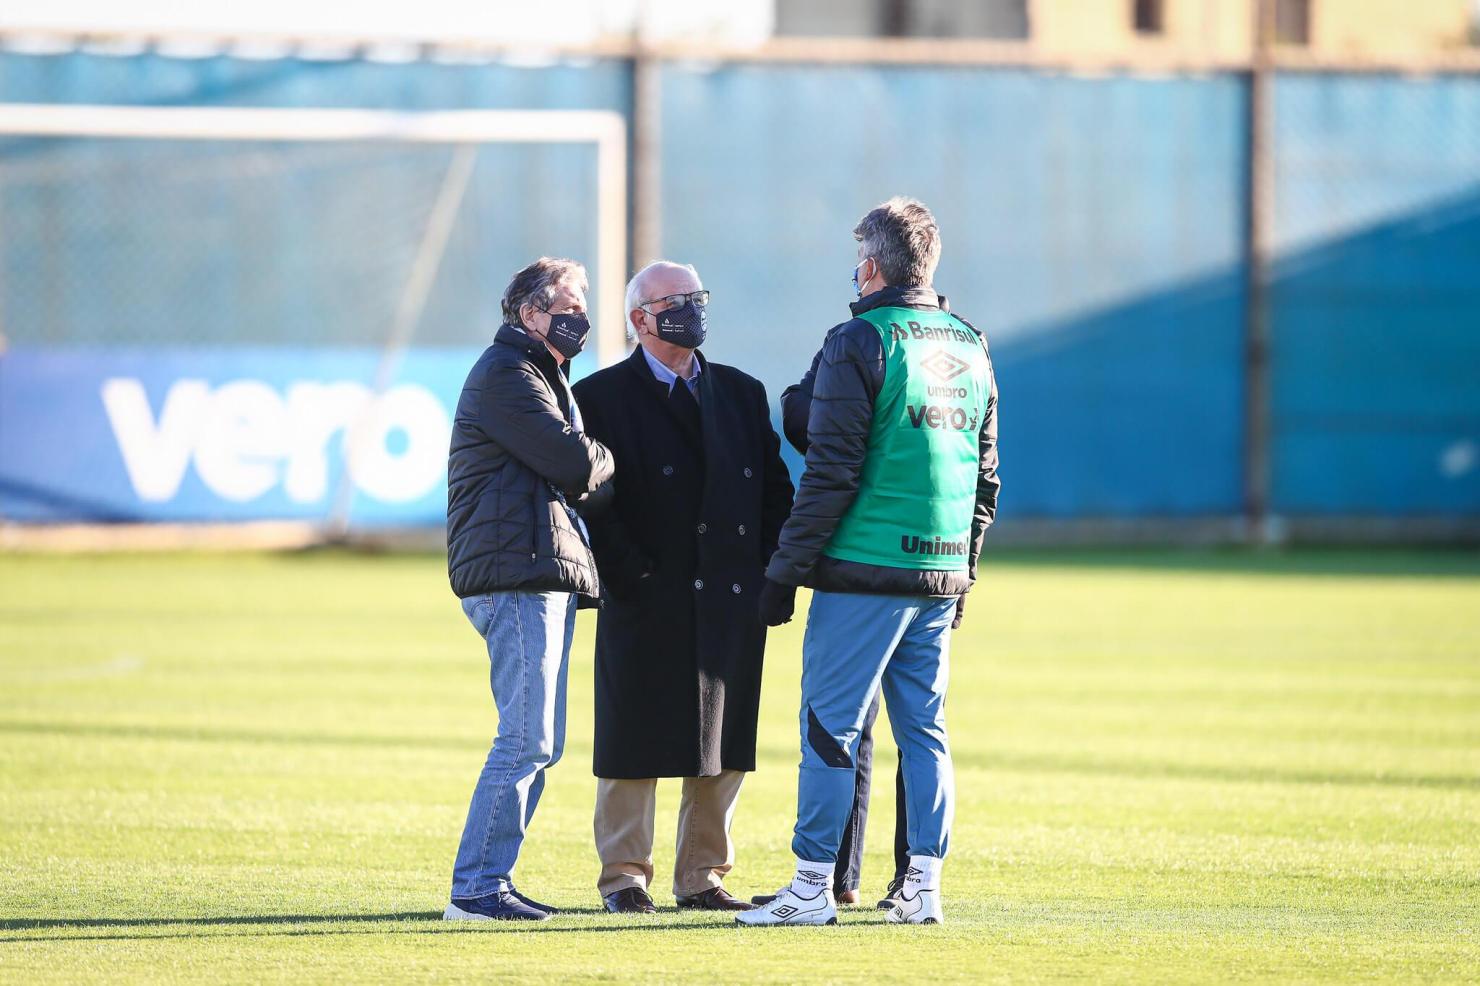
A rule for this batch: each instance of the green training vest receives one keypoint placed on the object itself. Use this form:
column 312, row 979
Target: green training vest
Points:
column 917, row 490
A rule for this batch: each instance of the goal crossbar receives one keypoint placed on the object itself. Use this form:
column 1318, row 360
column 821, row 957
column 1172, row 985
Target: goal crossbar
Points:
column 604, row 128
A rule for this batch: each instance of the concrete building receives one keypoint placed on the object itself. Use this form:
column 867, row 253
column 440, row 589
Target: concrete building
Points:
column 1220, row 30
column 1177, row 30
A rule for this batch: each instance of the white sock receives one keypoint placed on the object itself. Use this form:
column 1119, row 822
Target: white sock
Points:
column 924, row 874
column 811, row 879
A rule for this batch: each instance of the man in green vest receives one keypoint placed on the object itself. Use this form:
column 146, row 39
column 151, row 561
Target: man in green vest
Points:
column 887, row 526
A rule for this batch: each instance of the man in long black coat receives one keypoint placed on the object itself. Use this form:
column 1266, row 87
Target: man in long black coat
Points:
column 700, row 497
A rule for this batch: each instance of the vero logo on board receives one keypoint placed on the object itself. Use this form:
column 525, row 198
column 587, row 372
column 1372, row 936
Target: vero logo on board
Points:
column 244, row 438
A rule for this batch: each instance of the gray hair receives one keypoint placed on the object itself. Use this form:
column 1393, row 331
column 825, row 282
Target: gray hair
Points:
column 902, row 236
column 634, row 298
column 536, row 285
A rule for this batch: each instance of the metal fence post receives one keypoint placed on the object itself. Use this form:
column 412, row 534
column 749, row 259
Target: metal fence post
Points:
column 1258, row 246
column 647, row 149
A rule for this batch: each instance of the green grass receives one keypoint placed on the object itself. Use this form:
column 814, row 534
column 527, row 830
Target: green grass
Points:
column 1171, row 767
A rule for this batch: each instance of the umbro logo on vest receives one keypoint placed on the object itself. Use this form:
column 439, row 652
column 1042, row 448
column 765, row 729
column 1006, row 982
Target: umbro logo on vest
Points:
column 943, row 366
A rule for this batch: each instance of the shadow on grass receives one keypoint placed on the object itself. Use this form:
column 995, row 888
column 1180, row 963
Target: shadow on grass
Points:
column 1058, row 764
column 1437, row 562
column 434, row 925
column 1167, row 770
column 21, row 924
column 219, row 735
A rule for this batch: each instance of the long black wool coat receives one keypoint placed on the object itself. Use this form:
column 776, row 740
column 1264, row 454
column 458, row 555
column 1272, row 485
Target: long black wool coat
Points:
column 681, row 550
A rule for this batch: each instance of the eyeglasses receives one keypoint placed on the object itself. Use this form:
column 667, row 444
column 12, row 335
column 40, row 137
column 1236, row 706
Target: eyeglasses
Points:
column 699, row 298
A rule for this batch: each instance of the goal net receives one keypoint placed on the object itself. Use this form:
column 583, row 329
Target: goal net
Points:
column 234, row 314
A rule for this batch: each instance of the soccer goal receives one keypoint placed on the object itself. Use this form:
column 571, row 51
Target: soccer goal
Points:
column 455, row 130
column 264, row 314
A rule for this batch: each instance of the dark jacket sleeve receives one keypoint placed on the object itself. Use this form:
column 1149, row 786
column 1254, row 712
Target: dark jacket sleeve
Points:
column 987, row 483
column 849, row 377
column 519, row 412
column 796, row 400
column 619, row 559
column 777, row 492
column 598, row 501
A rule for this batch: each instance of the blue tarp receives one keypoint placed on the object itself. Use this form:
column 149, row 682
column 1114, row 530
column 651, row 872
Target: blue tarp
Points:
column 1092, row 227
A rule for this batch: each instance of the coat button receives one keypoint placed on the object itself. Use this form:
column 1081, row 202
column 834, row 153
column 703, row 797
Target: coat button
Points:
column 735, row 588
column 748, row 473
column 702, row 528
column 698, row 583
column 741, row 528
column 668, row 470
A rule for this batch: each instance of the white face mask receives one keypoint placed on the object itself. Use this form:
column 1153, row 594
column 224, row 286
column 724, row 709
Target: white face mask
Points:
column 857, row 285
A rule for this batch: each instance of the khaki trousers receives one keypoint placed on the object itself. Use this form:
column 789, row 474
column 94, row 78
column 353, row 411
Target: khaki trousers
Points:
column 624, row 832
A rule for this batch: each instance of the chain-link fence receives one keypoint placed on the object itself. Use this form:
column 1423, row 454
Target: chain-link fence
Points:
column 232, row 242
column 1095, row 226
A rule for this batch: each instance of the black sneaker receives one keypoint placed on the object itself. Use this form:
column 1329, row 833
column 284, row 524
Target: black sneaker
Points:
column 534, row 903
column 892, row 894
column 502, row 906
column 629, row 900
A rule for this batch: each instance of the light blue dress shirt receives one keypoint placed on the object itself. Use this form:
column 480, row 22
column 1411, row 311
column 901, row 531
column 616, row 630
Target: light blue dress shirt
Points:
column 666, row 376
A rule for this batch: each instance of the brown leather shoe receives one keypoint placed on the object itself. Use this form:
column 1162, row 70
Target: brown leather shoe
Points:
column 629, row 900
column 848, row 897
column 714, row 899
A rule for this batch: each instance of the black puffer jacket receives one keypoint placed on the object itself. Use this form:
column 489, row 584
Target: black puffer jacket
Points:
column 515, row 464
column 832, row 432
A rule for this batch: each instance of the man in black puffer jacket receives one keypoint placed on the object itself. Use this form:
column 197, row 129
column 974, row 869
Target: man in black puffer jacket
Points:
column 899, row 490
column 796, row 408
column 519, row 559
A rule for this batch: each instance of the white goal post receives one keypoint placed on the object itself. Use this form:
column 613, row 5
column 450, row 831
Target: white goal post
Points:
column 604, row 128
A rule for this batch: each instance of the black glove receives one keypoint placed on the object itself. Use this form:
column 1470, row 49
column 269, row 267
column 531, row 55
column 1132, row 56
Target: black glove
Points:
column 777, row 603
column 960, row 611
column 624, row 581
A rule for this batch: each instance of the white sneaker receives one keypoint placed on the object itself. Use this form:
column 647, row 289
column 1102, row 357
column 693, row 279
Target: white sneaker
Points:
column 923, row 908
column 788, row 908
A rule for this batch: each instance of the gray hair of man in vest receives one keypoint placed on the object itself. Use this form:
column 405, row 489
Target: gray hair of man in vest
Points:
column 902, row 236
column 637, row 288
column 537, row 284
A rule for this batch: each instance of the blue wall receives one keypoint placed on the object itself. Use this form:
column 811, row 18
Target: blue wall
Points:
column 1092, row 227
column 1089, row 228
column 1376, row 302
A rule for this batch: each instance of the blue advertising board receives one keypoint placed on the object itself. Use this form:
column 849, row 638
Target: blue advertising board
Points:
column 141, row 434
column 1093, row 227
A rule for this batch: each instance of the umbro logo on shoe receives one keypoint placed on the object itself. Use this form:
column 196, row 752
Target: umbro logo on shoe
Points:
column 788, row 908
column 923, row 908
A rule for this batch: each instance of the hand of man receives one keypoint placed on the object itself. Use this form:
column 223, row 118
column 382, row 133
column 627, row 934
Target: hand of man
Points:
column 777, row 603
column 960, row 611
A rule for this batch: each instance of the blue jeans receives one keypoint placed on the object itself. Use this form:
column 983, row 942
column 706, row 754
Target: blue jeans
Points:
column 854, row 644
column 528, row 636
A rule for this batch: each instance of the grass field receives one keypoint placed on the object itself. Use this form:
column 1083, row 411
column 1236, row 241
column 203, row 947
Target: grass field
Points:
column 1172, row 767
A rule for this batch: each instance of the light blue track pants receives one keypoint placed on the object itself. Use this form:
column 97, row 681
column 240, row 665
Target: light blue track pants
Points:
column 854, row 643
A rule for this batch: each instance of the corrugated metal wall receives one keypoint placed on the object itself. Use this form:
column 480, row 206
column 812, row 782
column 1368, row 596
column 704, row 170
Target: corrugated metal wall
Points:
column 1092, row 226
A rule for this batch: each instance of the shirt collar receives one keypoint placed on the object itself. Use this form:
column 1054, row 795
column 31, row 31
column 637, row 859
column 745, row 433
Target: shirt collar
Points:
column 666, row 376
column 891, row 296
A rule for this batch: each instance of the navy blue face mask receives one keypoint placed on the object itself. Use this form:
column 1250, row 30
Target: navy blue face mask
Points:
column 567, row 333
column 685, row 326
